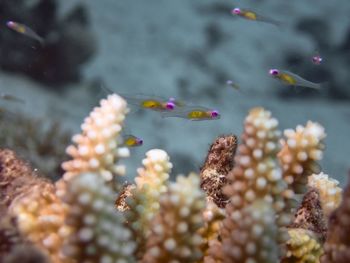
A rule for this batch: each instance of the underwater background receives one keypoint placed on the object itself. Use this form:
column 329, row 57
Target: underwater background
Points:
column 182, row 49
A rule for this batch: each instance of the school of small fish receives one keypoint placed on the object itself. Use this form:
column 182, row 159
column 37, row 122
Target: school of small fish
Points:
column 171, row 107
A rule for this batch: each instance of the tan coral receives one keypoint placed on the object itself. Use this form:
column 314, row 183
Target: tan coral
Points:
column 96, row 149
column 212, row 216
column 337, row 246
column 143, row 202
column 302, row 247
column 98, row 234
column 248, row 235
column 301, row 150
column 330, row 192
column 257, row 174
column 40, row 216
column 174, row 236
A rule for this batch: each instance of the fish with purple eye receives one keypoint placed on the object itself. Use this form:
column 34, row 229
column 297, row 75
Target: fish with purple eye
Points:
column 254, row 16
column 193, row 113
column 291, row 79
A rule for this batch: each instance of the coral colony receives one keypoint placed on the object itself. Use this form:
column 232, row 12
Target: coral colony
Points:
column 259, row 199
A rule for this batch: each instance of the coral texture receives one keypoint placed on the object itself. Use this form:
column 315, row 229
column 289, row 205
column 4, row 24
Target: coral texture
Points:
column 337, row 246
column 302, row 247
column 310, row 215
column 219, row 162
column 39, row 141
column 16, row 177
column 151, row 182
column 174, row 236
column 247, row 235
column 97, row 147
column 330, row 192
column 26, row 254
column 212, row 217
column 97, row 233
column 40, row 216
column 257, row 174
column 301, row 149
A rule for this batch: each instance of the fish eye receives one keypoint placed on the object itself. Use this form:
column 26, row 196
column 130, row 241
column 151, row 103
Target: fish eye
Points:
column 214, row 114
column 140, row 141
column 274, row 72
column 170, row 105
column 236, row 11
column 10, row 23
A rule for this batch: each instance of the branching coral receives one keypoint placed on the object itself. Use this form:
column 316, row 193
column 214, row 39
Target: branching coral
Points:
column 40, row 216
column 248, row 235
column 144, row 200
column 97, row 147
column 337, row 246
column 212, row 216
column 302, row 247
column 218, row 163
column 97, row 233
column 330, row 192
column 174, row 236
column 257, row 174
column 301, row 149
column 245, row 217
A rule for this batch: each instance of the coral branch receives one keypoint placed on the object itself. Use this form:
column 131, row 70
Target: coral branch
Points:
column 300, row 152
column 219, row 162
column 248, row 235
column 174, row 236
column 144, row 198
column 337, row 246
column 302, row 247
column 97, row 147
column 97, row 232
column 330, row 193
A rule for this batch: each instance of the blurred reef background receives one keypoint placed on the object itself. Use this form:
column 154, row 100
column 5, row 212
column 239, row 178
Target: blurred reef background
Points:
column 182, row 49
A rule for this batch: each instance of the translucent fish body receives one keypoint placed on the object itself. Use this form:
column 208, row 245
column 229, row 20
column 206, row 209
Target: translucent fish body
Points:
column 253, row 16
column 25, row 30
column 194, row 113
column 292, row 79
column 151, row 103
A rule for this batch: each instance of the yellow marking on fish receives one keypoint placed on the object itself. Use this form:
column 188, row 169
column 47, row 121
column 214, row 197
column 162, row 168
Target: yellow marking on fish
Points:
column 20, row 29
column 250, row 15
column 196, row 114
column 130, row 141
column 288, row 79
column 151, row 104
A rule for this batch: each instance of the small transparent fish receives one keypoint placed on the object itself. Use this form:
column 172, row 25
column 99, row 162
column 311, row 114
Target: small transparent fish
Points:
column 11, row 98
column 131, row 140
column 251, row 15
column 289, row 78
column 193, row 113
column 151, row 102
column 25, row 30
column 233, row 85
column 317, row 59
